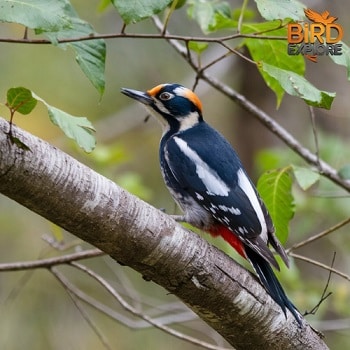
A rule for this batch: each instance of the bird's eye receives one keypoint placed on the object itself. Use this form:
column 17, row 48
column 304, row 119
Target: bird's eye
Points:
column 164, row 96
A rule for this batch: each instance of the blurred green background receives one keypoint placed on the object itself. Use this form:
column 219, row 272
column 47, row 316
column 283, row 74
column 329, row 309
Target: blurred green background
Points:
column 37, row 313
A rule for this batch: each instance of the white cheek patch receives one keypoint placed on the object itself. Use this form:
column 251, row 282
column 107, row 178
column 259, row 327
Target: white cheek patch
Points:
column 159, row 117
column 211, row 180
column 246, row 186
column 161, row 107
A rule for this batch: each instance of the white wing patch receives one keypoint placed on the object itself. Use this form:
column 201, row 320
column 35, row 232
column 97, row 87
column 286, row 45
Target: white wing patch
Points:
column 199, row 197
column 232, row 210
column 209, row 177
column 246, row 186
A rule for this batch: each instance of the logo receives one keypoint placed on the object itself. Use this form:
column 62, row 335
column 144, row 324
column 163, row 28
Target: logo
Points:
column 320, row 37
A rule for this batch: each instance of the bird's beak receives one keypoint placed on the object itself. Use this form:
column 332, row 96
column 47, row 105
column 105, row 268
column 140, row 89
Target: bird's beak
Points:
column 140, row 96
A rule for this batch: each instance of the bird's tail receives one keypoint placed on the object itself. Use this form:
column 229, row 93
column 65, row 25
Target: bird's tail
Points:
column 271, row 284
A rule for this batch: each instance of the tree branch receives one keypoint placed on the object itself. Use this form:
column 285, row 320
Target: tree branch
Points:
column 162, row 36
column 139, row 314
column 319, row 235
column 323, row 168
column 221, row 292
column 47, row 263
column 321, row 265
column 71, row 292
column 75, row 293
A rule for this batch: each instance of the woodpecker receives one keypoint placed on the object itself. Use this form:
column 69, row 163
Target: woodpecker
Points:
column 206, row 178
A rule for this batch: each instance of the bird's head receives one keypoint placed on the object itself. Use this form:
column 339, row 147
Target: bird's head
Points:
column 176, row 107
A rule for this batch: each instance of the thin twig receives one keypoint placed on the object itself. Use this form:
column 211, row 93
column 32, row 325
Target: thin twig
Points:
column 241, row 16
column 46, row 263
column 217, row 60
column 319, row 235
column 314, row 132
column 236, row 52
column 319, row 264
column 67, row 286
column 122, row 34
column 123, row 29
column 168, row 318
column 324, row 168
column 324, row 296
column 139, row 314
column 25, row 278
column 168, row 15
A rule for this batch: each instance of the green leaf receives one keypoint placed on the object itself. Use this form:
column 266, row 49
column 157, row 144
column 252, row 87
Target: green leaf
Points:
column 227, row 20
column 305, row 176
column 344, row 58
column 36, row 14
column 209, row 14
column 273, row 52
column 90, row 54
column 275, row 188
column 133, row 11
column 272, row 9
column 203, row 13
column 344, row 172
column 20, row 99
column 223, row 8
column 79, row 129
column 298, row 86
column 197, row 46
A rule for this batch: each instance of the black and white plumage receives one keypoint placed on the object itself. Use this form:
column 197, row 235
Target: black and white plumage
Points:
column 206, row 178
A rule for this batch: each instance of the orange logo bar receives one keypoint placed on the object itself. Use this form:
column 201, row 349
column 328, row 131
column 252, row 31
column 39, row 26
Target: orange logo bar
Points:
column 319, row 38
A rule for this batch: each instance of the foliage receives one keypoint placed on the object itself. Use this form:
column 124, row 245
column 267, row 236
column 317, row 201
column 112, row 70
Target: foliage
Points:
column 58, row 21
column 23, row 101
column 36, row 14
column 296, row 85
column 272, row 53
column 275, row 188
column 270, row 9
column 135, row 11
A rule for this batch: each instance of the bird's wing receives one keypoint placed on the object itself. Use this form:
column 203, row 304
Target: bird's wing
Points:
column 233, row 203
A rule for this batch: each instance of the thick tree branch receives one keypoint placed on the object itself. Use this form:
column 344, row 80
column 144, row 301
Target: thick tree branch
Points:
column 221, row 292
